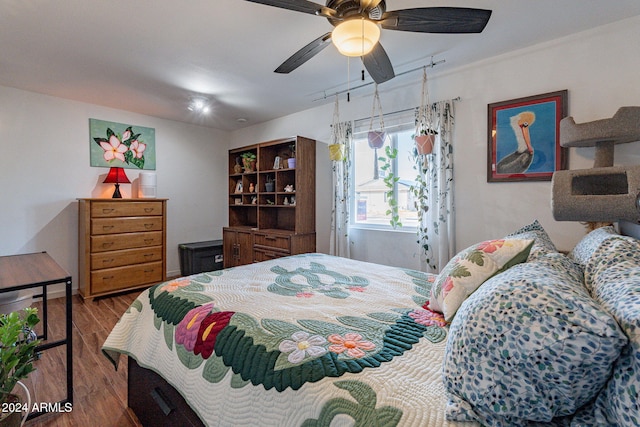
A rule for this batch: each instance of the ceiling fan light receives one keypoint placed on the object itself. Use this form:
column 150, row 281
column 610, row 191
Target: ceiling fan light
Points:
column 355, row 37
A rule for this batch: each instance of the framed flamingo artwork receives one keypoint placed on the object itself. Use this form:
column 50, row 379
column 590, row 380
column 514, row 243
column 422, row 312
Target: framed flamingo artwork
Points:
column 121, row 145
column 524, row 138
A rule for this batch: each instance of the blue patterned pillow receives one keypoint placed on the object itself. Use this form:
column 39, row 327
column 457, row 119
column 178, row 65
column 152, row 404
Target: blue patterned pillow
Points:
column 589, row 243
column 542, row 242
column 606, row 254
column 614, row 271
column 529, row 345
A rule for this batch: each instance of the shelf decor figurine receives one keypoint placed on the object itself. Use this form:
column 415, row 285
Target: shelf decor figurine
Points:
column 292, row 160
column 277, row 163
column 269, row 186
column 249, row 161
column 288, row 188
column 237, row 168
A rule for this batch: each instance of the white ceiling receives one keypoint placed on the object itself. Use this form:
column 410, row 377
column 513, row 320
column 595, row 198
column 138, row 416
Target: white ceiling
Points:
column 151, row 56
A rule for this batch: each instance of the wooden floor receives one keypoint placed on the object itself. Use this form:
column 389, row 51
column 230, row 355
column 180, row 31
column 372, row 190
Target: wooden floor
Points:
column 100, row 392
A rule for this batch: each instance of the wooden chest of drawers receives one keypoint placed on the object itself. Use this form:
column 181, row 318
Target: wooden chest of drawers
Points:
column 122, row 245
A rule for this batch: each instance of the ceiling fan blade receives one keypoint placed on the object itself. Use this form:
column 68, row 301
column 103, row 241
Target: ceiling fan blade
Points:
column 378, row 65
column 304, row 54
column 446, row 20
column 304, row 6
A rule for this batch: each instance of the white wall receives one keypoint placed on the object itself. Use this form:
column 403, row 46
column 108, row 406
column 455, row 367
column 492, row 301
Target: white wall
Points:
column 598, row 67
column 44, row 168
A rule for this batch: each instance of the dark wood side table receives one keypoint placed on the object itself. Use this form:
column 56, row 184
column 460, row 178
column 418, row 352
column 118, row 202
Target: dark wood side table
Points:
column 39, row 270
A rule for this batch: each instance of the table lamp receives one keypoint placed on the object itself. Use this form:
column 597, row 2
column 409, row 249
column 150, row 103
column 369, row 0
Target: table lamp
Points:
column 116, row 176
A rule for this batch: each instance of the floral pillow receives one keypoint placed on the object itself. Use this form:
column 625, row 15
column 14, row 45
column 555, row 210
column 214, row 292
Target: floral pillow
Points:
column 469, row 269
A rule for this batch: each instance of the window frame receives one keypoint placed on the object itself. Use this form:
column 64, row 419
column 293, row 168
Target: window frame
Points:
column 400, row 121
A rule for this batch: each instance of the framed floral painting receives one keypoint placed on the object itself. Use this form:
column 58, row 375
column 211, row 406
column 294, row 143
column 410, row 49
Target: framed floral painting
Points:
column 524, row 138
column 122, row 145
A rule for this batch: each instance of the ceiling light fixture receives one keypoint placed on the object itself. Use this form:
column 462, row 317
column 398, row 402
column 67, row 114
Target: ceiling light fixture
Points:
column 355, row 37
column 199, row 105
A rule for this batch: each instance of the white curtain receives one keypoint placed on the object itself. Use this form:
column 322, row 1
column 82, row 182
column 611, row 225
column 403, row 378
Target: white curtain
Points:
column 339, row 239
column 436, row 228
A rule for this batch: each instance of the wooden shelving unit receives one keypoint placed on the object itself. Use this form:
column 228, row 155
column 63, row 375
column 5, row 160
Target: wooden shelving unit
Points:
column 269, row 223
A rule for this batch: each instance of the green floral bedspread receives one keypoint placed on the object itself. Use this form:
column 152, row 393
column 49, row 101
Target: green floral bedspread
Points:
column 304, row 340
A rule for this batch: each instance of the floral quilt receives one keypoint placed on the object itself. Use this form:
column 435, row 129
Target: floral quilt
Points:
column 307, row 340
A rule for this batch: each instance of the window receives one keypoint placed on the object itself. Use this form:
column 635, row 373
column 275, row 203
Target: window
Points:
column 369, row 199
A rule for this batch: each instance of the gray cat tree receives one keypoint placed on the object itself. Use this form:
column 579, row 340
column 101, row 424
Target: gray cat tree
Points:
column 604, row 192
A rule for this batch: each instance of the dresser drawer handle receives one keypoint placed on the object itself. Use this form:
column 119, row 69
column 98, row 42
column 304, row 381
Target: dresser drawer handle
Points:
column 151, row 270
column 107, row 277
column 148, row 255
column 107, row 261
column 148, row 240
column 107, row 244
column 107, row 227
column 149, row 210
column 107, row 211
column 148, row 226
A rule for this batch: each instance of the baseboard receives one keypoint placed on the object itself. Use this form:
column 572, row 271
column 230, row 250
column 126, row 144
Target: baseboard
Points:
column 172, row 274
column 57, row 294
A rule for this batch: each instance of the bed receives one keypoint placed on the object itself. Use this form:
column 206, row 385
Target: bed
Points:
column 511, row 332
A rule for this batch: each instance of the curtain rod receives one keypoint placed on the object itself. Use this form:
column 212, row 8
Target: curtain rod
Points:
column 406, row 110
column 431, row 64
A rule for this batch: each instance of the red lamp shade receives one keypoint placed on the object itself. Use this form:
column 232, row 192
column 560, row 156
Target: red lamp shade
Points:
column 116, row 176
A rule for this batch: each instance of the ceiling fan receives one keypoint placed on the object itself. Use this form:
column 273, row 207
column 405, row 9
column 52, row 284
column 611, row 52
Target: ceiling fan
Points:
column 364, row 16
